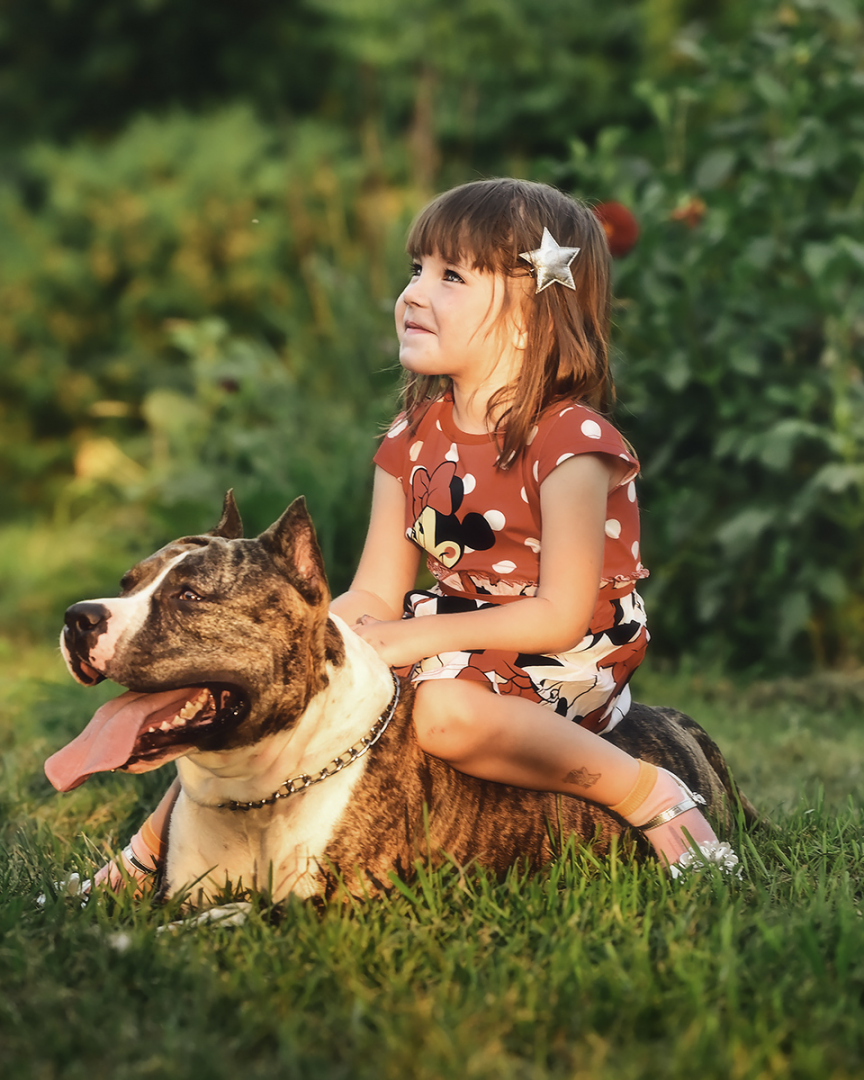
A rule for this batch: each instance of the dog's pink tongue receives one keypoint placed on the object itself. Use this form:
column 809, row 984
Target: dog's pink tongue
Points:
column 109, row 739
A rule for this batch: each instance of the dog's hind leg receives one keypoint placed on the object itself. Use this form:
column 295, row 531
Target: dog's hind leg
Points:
column 715, row 759
column 675, row 741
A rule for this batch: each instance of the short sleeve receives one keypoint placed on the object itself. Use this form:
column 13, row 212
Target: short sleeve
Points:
column 392, row 453
column 570, row 430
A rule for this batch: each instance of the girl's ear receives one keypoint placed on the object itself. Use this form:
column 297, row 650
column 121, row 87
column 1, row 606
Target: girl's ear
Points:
column 519, row 311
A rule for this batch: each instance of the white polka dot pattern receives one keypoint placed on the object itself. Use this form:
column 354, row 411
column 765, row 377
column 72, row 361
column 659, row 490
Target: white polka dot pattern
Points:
column 591, row 429
column 505, row 498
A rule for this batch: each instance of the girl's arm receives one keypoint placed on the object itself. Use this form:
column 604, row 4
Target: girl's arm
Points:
column 388, row 565
column 573, row 508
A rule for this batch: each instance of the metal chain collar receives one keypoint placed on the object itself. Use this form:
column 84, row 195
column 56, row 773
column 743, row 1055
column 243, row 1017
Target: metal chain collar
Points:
column 346, row 758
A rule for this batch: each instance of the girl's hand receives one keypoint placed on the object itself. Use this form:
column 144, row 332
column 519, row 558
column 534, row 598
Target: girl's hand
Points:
column 396, row 642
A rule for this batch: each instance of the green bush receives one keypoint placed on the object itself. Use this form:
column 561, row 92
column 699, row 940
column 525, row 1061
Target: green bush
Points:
column 740, row 328
column 475, row 81
column 124, row 270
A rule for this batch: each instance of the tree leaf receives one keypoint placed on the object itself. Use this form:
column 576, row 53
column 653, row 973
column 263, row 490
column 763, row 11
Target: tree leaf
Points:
column 714, row 169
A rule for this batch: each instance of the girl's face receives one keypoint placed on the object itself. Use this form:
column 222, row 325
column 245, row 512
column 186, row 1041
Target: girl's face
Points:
column 450, row 320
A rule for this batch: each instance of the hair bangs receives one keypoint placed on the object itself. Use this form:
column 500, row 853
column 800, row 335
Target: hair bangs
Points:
column 470, row 225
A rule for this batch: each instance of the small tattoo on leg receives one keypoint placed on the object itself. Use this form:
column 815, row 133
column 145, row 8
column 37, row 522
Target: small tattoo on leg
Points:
column 582, row 778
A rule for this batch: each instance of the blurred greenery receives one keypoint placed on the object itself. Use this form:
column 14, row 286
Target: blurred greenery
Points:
column 468, row 78
column 202, row 215
column 740, row 332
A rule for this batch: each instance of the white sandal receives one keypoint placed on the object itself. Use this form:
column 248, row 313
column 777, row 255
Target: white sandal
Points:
column 689, row 802
column 699, row 855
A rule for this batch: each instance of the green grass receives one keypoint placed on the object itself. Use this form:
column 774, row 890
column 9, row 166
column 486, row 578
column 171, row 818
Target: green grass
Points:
column 587, row 970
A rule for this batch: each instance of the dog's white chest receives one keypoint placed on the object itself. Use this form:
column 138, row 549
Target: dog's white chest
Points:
column 277, row 850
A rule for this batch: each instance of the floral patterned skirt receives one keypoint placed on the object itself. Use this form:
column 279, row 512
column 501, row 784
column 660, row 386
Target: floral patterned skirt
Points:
column 587, row 684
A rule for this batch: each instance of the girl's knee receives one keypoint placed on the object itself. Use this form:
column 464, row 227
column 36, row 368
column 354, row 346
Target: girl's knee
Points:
column 447, row 721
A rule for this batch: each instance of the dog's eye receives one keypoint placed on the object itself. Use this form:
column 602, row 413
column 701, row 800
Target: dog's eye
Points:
column 187, row 593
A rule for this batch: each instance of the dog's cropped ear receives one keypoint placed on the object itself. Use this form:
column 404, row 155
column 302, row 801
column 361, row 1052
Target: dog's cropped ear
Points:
column 230, row 526
column 292, row 539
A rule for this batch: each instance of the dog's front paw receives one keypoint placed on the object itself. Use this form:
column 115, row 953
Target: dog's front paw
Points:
column 225, row 915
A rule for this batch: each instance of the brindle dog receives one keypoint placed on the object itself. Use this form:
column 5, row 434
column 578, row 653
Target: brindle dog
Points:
column 269, row 704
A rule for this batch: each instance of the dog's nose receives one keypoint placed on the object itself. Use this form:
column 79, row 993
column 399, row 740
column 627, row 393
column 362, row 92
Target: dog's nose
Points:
column 86, row 618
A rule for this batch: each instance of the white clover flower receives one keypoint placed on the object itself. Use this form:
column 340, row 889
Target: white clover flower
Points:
column 712, row 852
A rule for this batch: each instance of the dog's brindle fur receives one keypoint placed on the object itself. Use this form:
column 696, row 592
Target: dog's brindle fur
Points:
column 310, row 689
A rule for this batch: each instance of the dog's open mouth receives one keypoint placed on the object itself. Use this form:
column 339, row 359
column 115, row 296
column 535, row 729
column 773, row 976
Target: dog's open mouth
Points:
column 209, row 711
column 138, row 732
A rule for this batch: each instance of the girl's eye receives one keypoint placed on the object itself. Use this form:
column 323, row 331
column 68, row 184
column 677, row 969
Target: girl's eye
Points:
column 451, row 275
column 415, row 270
column 188, row 594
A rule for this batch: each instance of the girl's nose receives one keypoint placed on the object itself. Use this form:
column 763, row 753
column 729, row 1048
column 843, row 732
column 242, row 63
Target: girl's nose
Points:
column 414, row 292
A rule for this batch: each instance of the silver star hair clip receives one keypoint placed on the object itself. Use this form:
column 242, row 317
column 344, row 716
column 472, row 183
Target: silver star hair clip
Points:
column 551, row 262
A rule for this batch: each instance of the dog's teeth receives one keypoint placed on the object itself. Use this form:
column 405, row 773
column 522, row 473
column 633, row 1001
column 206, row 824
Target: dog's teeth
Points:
column 165, row 726
column 192, row 707
column 179, row 720
column 149, row 729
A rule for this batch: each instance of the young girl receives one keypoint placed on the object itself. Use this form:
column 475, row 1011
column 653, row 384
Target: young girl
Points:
column 502, row 469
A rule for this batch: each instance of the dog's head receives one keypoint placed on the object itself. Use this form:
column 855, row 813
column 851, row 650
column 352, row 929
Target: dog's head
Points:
column 220, row 640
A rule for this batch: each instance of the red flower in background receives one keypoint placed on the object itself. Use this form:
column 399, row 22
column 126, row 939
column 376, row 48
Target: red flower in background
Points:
column 621, row 228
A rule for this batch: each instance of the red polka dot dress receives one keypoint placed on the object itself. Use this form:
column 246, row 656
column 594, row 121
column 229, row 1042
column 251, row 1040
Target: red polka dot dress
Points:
column 480, row 528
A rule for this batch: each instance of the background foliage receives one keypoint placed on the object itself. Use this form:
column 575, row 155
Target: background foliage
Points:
column 741, row 333
column 202, row 219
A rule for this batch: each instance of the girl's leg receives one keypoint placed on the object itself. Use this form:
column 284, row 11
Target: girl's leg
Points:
column 143, row 854
column 513, row 740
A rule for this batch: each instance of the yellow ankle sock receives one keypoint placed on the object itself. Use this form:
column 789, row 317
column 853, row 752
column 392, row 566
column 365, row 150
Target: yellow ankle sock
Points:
column 151, row 839
column 643, row 787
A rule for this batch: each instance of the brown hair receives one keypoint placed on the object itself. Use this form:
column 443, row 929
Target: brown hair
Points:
column 488, row 223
